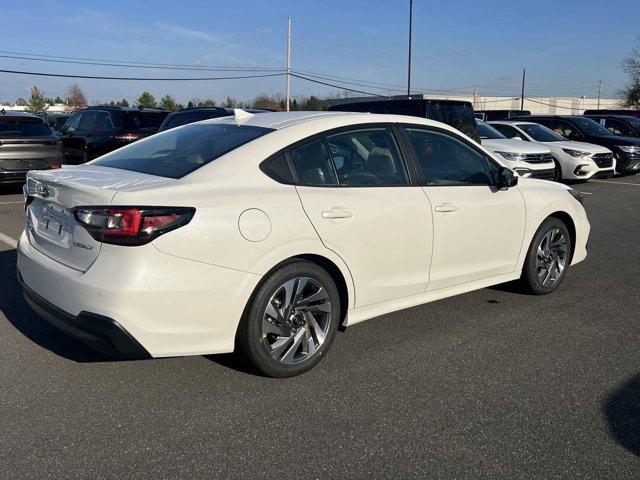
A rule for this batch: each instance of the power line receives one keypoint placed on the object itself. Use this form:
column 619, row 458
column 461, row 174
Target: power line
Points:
column 125, row 63
column 333, row 85
column 149, row 79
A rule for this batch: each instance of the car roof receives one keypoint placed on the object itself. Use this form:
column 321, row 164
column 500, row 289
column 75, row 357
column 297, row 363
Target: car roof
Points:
column 280, row 120
column 512, row 122
column 610, row 115
column 122, row 109
column 18, row 114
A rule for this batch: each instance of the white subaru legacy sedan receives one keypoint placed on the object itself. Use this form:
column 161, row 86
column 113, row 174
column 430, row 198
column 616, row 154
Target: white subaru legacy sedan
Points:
column 266, row 233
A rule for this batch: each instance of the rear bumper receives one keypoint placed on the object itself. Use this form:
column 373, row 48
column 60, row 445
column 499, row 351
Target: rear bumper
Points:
column 171, row 306
column 99, row 333
column 10, row 176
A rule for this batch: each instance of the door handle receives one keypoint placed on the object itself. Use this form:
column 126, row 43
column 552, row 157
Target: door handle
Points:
column 446, row 207
column 337, row 214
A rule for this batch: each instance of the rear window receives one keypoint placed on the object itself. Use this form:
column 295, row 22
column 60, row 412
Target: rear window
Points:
column 175, row 153
column 180, row 119
column 141, row 120
column 23, row 128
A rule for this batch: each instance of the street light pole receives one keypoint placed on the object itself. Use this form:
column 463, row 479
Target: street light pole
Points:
column 410, row 32
column 524, row 72
column 288, row 87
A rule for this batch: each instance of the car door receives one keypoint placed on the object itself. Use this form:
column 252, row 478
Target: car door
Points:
column 359, row 195
column 73, row 143
column 477, row 229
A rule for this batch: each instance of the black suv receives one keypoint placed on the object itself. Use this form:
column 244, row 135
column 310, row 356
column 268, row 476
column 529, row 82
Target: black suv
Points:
column 619, row 124
column 190, row 115
column 633, row 113
column 456, row 113
column 491, row 115
column 94, row 131
column 583, row 129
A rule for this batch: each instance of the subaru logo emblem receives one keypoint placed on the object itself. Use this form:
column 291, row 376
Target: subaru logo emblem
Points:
column 44, row 191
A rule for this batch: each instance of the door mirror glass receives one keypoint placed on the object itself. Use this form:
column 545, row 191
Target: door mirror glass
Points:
column 506, row 178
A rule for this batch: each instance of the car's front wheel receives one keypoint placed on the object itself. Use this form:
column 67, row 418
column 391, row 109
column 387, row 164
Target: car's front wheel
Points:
column 548, row 257
column 291, row 321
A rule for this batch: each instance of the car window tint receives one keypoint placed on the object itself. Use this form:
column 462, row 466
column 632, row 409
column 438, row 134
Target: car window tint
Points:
column 313, row 164
column 142, row 120
column 617, row 127
column 445, row 160
column 23, row 128
column 177, row 152
column 566, row 130
column 508, row 131
column 73, row 123
column 368, row 157
column 190, row 117
column 87, row 120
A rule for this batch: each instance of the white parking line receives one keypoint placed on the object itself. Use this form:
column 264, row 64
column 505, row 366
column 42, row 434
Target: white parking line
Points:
column 8, row 240
column 617, row 183
column 11, row 203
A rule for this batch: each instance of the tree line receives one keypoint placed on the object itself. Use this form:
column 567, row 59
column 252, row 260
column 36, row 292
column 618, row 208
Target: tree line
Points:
column 75, row 98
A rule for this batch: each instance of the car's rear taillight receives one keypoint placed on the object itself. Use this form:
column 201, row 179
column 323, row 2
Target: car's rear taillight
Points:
column 131, row 225
column 55, row 165
column 127, row 137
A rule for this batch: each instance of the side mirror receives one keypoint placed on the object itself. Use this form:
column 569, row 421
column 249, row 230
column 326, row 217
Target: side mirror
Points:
column 506, row 178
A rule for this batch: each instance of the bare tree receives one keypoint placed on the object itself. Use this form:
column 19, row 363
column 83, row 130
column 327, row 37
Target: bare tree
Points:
column 76, row 97
column 631, row 65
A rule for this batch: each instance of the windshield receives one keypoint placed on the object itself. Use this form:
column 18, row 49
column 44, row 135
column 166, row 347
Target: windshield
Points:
column 23, row 128
column 590, row 127
column 139, row 120
column 180, row 151
column 487, row 132
column 540, row 133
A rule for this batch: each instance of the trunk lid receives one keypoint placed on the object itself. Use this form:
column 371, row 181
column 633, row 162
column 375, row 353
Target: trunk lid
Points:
column 29, row 153
column 52, row 194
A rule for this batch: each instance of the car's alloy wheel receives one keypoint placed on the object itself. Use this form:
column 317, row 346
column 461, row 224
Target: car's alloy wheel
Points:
column 296, row 320
column 551, row 257
column 548, row 257
column 291, row 320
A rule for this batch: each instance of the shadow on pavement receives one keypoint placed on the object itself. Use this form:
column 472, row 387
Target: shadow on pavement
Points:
column 622, row 411
column 14, row 307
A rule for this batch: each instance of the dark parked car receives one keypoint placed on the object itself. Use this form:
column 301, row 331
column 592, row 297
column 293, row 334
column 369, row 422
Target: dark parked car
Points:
column 55, row 120
column 94, row 131
column 633, row 113
column 26, row 143
column 456, row 113
column 583, row 129
column 191, row 115
column 619, row 124
column 492, row 115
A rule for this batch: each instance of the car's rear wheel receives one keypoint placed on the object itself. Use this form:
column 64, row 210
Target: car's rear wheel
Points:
column 291, row 321
column 548, row 257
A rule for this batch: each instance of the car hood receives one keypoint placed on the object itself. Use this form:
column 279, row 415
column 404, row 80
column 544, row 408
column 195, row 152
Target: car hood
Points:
column 514, row 146
column 617, row 140
column 580, row 146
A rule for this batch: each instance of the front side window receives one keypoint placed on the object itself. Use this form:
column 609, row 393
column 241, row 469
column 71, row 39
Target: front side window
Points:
column 177, row 152
column 73, row 123
column 367, row 157
column 617, row 127
column 312, row 163
column 95, row 120
column 445, row 160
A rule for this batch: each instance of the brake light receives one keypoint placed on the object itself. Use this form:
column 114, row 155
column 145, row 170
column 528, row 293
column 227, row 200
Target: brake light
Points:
column 55, row 165
column 127, row 137
column 131, row 225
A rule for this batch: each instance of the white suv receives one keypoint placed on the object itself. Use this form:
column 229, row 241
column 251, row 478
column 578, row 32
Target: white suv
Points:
column 532, row 161
column 573, row 160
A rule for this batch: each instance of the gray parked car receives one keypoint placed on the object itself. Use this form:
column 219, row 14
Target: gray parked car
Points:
column 26, row 143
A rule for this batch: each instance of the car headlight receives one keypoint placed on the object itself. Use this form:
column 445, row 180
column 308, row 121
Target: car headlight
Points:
column 514, row 157
column 629, row 148
column 576, row 153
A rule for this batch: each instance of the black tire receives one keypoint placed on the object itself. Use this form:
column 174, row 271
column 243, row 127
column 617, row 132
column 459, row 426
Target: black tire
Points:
column 530, row 277
column 557, row 171
column 252, row 342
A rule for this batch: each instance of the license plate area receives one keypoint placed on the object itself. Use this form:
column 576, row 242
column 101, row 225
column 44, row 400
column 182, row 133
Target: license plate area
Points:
column 56, row 223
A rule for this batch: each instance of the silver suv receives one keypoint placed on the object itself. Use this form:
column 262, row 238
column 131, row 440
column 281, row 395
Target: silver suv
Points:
column 26, row 143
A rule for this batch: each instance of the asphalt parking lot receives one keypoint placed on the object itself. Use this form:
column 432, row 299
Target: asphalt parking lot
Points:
column 491, row 384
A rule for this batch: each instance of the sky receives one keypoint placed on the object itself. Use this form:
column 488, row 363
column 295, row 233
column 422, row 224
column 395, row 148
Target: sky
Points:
column 567, row 47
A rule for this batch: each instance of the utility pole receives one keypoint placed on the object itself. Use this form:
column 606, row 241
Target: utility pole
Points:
column 524, row 72
column 474, row 95
column 410, row 32
column 288, row 88
column 599, row 92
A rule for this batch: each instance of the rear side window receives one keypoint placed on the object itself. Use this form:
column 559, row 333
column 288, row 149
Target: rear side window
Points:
column 141, row 120
column 313, row 164
column 367, row 157
column 22, row 128
column 94, row 120
column 278, row 169
column 447, row 161
column 175, row 153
